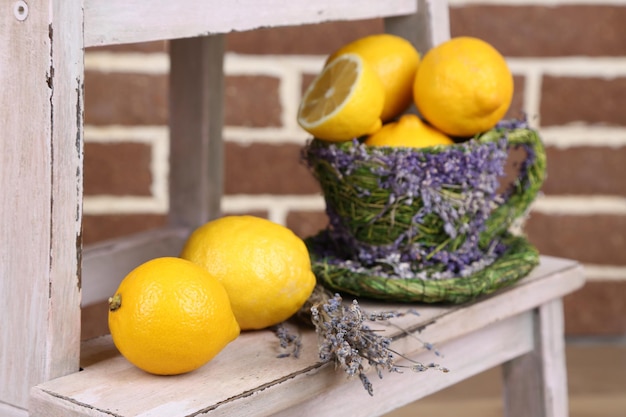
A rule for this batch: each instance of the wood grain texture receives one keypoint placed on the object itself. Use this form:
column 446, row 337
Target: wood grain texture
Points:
column 106, row 264
column 120, row 21
column 196, row 121
column 10, row 411
column 429, row 27
column 41, row 181
column 536, row 383
column 248, row 375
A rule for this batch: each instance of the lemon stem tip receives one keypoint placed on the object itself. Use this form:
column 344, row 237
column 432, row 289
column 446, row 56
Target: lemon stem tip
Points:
column 115, row 302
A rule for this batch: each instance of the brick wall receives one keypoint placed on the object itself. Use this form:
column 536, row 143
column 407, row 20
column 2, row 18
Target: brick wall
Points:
column 569, row 63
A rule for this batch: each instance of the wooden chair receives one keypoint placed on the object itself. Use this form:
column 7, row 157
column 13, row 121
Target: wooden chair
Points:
column 44, row 270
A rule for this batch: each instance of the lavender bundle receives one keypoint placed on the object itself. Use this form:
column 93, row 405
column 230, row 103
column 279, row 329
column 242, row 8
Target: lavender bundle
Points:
column 431, row 217
column 345, row 339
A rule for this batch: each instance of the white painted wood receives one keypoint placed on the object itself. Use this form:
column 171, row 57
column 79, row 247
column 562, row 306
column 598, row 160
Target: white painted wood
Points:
column 10, row 411
column 247, row 375
column 64, row 293
column 464, row 357
column 122, row 21
column 196, row 121
column 281, row 379
column 536, row 383
column 41, row 71
column 554, row 370
column 429, row 27
column 106, row 264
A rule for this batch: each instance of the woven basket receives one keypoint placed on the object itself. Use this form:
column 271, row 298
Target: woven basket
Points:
column 430, row 219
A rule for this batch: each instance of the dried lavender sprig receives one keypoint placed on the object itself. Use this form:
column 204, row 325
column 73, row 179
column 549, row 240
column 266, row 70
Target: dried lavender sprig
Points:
column 288, row 340
column 345, row 339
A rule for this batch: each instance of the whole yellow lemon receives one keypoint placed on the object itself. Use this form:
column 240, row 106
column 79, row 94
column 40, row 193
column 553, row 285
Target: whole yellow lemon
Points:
column 170, row 316
column 410, row 132
column 463, row 86
column 265, row 267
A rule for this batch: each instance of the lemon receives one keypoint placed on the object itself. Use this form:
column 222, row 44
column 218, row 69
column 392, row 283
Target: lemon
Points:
column 265, row 267
column 395, row 60
column 463, row 86
column 411, row 132
column 169, row 316
column 344, row 101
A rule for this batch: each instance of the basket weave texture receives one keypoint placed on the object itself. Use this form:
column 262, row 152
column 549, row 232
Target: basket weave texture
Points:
column 424, row 224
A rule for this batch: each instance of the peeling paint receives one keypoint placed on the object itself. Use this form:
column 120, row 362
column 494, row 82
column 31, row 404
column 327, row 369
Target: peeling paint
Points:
column 50, row 83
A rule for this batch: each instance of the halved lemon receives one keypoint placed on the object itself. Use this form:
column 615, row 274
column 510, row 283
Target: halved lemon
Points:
column 344, row 101
column 395, row 60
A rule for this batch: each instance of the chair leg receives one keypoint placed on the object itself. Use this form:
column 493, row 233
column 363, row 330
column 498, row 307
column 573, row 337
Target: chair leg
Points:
column 196, row 149
column 535, row 384
column 428, row 27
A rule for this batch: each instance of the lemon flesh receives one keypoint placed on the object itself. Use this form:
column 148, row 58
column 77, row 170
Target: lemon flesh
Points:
column 395, row 60
column 344, row 101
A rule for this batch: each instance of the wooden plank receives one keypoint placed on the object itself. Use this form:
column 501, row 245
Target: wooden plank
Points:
column 551, row 331
column 10, row 411
column 106, row 264
column 121, row 21
column 196, row 120
column 247, row 374
column 552, row 279
column 41, row 180
column 428, row 27
column 67, row 70
column 536, row 383
column 464, row 357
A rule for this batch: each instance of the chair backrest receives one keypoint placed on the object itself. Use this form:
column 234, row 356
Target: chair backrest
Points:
column 41, row 130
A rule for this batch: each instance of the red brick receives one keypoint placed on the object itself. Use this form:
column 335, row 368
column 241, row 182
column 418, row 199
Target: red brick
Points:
column 101, row 227
column 320, row 39
column 539, row 31
column 307, row 223
column 586, row 170
column 252, row 101
column 516, row 156
column 266, row 169
column 598, row 309
column 117, row 168
column 516, row 110
column 590, row 100
column 125, row 99
column 307, row 79
column 599, row 239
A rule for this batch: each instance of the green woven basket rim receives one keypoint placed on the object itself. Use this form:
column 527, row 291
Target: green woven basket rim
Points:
column 342, row 192
column 517, row 261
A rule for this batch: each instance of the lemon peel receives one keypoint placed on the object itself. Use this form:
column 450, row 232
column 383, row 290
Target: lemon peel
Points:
column 344, row 101
column 463, row 86
column 409, row 131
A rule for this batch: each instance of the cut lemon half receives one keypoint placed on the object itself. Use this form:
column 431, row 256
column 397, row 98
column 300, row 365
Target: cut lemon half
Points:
column 344, row 101
column 395, row 60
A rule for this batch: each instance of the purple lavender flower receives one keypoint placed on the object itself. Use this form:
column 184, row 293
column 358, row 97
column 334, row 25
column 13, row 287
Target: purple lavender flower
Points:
column 449, row 192
column 346, row 339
